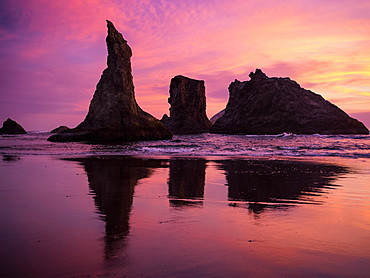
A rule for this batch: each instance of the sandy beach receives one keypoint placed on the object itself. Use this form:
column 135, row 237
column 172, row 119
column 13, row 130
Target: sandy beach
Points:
column 126, row 216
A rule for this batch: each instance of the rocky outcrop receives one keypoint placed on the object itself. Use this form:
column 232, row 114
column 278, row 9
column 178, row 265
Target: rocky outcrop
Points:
column 188, row 107
column 266, row 105
column 217, row 116
column 114, row 114
column 62, row 128
column 12, row 127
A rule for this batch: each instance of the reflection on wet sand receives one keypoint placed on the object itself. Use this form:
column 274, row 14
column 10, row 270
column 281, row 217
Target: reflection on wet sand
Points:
column 186, row 181
column 259, row 183
column 10, row 157
column 117, row 216
column 112, row 181
column 277, row 183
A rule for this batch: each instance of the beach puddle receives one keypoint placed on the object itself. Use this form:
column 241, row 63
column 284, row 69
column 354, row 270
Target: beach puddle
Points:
column 125, row 216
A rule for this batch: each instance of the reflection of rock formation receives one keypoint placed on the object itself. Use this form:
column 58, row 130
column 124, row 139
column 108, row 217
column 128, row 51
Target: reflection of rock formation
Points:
column 7, row 157
column 186, row 181
column 276, row 183
column 112, row 181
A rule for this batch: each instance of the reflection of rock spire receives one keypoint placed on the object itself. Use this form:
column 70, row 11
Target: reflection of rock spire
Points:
column 275, row 183
column 112, row 181
column 186, row 181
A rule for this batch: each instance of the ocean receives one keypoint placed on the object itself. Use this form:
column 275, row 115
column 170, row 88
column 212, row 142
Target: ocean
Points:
column 206, row 205
column 346, row 146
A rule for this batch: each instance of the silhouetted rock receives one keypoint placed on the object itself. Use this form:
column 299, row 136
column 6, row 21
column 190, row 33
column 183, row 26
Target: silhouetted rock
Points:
column 12, row 127
column 217, row 116
column 276, row 105
column 62, row 128
column 188, row 107
column 114, row 114
column 166, row 120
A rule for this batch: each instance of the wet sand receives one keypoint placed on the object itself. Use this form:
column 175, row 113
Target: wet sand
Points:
column 184, row 217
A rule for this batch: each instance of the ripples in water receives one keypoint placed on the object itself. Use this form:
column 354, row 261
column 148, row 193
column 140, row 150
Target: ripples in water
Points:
column 200, row 145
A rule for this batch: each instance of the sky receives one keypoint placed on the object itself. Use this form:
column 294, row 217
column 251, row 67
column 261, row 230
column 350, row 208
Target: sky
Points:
column 53, row 53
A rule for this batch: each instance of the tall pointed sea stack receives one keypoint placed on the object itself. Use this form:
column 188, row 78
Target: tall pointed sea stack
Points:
column 188, row 107
column 266, row 105
column 114, row 114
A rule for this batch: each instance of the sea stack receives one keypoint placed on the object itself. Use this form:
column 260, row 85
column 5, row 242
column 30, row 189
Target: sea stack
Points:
column 266, row 105
column 114, row 114
column 12, row 127
column 188, row 107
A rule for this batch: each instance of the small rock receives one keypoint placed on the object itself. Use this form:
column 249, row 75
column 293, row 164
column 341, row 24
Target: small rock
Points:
column 62, row 128
column 12, row 127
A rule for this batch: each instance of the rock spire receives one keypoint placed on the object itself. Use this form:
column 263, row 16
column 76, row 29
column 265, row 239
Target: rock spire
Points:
column 114, row 114
column 188, row 107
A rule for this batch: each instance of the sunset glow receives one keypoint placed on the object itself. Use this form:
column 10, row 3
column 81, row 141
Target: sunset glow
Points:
column 53, row 52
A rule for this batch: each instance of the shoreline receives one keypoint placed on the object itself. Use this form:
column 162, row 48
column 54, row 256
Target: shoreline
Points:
column 79, row 210
column 130, row 215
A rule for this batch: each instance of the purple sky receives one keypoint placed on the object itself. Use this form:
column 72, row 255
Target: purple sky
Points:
column 53, row 52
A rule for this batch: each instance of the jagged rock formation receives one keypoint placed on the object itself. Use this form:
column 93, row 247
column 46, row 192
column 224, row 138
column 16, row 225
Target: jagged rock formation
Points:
column 266, row 105
column 12, row 127
column 188, row 107
column 114, row 114
column 62, row 128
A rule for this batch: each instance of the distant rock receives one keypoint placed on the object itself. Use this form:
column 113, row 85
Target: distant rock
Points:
column 166, row 120
column 188, row 107
column 62, row 128
column 12, row 127
column 266, row 105
column 114, row 114
column 217, row 116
